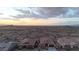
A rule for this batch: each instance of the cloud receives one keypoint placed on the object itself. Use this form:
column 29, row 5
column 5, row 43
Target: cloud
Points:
column 15, row 13
column 1, row 13
column 47, row 12
column 40, row 12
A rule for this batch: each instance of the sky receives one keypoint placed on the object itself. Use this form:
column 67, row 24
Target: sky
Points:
column 39, row 16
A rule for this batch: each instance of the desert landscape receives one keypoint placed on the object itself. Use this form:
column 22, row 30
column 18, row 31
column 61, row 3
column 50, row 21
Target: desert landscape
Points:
column 39, row 38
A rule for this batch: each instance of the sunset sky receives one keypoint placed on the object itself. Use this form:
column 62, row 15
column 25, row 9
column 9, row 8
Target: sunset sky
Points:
column 39, row 16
